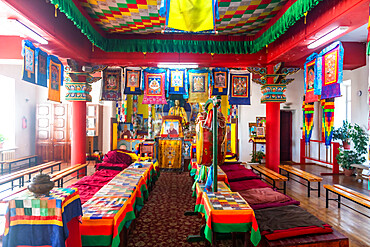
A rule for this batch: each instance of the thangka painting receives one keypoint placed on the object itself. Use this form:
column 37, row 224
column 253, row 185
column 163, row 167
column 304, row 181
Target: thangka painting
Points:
column 28, row 52
column 199, row 82
column 132, row 81
column 55, row 72
column 178, row 83
column 154, row 86
column 239, row 90
column 330, row 71
column 310, row 77
column 220, row 81
column 41, row 60
column 170, row 153
column 111, row 86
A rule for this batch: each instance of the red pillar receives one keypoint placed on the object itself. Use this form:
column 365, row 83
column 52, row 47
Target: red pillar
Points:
column 78, row 152
column 272, row 129
column 273, row 135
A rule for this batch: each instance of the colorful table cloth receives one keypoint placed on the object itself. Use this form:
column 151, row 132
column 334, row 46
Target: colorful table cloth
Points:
column 32, row 221
column 227, row 212
column 200, row 189
column 112, row 207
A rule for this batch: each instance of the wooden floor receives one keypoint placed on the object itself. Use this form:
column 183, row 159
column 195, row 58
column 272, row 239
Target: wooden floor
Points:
column 347, row 221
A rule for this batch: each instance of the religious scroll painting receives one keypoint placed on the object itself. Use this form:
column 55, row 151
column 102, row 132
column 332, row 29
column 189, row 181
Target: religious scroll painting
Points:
column 132, row 81
column 55, row 70
column 330, row 71
column 41, row 58
column 28, row 52
column 111, row 87
column 170, row 153
column 239, row 89
column 310, row 78
column 220, row 81
column 198, row 80
column 154, row 92
column 178, row 82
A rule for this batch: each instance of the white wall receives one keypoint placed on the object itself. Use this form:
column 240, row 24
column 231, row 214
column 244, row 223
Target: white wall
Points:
column 26, row 98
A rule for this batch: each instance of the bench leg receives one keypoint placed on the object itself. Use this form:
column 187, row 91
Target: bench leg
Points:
column 59, row 167
column 309, row 189
column 52, row 170
column 318, row 189
column 273, row 184
column 2, row 169
column 327, row 198
column 29, row 163
column 61, row 183
column 10, row 168
column 284, row 187
column 12, row 184
column 338, row 201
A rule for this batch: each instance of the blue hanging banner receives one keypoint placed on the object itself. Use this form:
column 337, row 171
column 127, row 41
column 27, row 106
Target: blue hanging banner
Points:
column 220, row 81
column 28, row 53
column 133, row 81
column 177, row 82
column 41, row 61
column 239, row 88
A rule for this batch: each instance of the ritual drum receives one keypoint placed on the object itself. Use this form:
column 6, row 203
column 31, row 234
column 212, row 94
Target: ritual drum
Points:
column 204, row 142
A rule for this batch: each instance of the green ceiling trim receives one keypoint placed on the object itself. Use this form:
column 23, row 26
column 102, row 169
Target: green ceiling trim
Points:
column 288, row 19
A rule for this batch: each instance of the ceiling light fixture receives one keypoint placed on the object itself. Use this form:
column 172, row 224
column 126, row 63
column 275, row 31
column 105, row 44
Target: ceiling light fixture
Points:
column 178, row 65
column 23, row 29
column 327, row 37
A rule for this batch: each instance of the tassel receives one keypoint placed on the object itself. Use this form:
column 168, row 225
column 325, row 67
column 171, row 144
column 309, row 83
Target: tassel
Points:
column 144, row 54
column 93, row 47
column 267, row 51
column 56, row 10
column 305, row 17
column 212, row 54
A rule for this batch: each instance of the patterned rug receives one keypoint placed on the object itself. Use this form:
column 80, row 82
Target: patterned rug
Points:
column 161, row 221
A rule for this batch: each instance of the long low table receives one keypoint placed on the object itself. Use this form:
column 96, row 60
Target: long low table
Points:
column 112, row 208
column 227, row 212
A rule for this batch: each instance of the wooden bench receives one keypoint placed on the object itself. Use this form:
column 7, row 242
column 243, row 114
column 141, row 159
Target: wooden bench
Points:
column 59, row 178
column 350, row 194
column 274, row 176
column 10, row 162
column 304, row 175
column 29, row 171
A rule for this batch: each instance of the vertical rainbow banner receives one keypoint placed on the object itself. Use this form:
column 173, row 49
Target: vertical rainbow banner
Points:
column 328, row 119
column 308, row 121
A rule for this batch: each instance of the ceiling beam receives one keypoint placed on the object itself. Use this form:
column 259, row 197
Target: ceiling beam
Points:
column 291, row 47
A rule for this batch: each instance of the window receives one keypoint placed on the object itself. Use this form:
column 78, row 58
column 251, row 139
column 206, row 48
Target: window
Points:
column 342, row 110
column 7, row 109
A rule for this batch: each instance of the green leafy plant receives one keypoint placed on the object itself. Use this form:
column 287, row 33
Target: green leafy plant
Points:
column 343, row 133
column 360, row 139
column 257, row 157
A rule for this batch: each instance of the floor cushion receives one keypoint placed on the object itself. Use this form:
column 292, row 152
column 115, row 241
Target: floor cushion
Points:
column 248, row 184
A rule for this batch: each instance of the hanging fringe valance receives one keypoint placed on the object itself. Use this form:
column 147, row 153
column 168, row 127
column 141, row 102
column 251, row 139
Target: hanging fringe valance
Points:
column 295, row 12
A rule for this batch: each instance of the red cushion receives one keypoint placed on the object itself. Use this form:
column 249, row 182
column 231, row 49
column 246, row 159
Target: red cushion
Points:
column 93, row 180
column 239, row 175
column 111, row 166
column 263, row 195
column 106, row 173
column 297, row 231
column 86, row 191
column 232, row 167
column 248, row 184
column 117, row 157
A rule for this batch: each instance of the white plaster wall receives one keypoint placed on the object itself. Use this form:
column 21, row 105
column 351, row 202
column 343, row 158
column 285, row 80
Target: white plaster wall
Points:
column 248, row 114
column 359, row 105
column 26, row 98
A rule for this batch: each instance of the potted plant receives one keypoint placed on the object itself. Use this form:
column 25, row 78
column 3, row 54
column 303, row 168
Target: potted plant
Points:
column 343, row 134
column 2, row 140
column 257, row 157
column 346, row 158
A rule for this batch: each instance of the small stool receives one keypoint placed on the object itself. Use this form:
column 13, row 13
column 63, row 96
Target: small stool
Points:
column 359, row 169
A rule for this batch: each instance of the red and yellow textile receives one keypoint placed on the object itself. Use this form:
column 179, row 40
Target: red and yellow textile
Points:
column 198, row 85
column 154, row 86
column 170, row 154
column 42, row 221
column 200, row 189
column 227, row 212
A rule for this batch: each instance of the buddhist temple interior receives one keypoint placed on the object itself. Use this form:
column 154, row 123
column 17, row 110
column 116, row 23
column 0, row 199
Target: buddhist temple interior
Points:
column 138, row 123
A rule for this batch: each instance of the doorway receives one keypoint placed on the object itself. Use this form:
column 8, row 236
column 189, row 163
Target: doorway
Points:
column 285, row 135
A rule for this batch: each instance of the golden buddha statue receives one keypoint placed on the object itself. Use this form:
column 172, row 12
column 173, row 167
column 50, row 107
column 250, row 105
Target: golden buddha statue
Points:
column 177, row 110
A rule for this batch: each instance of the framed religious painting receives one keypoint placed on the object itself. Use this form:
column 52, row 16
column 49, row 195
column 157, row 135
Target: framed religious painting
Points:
column 171, row 126
column 132, row 81
column 239, row 93
column 220, row 81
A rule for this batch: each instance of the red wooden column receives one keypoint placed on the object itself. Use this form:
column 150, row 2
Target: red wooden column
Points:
column 78, row 141
column 272, row 129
